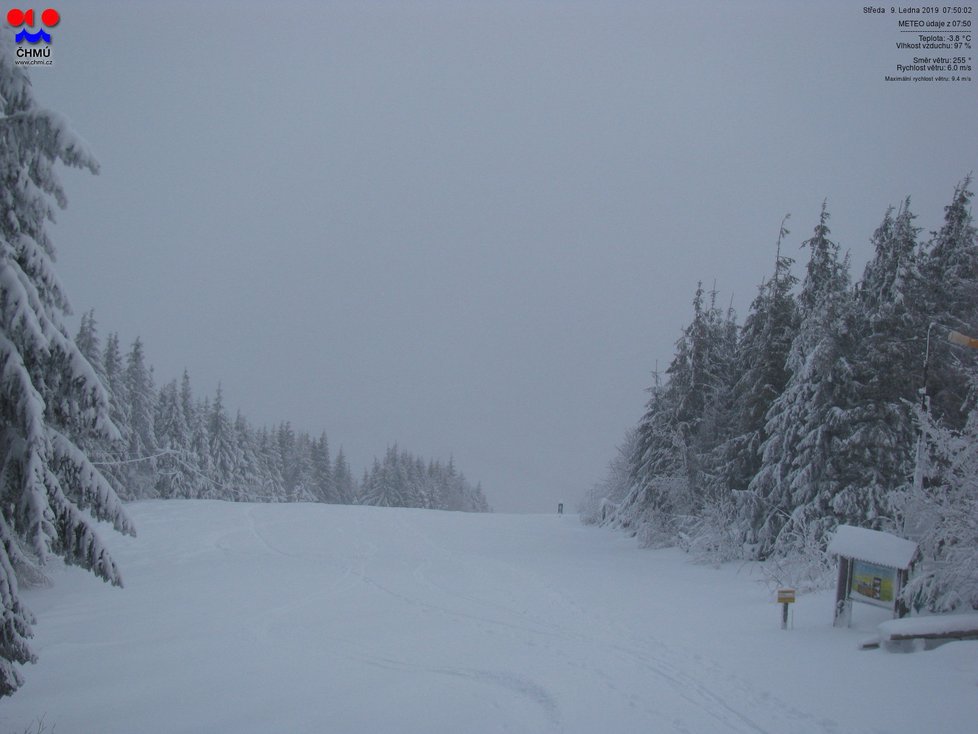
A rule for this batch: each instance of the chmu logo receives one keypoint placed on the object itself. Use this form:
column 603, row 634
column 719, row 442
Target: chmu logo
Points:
column 17, row 18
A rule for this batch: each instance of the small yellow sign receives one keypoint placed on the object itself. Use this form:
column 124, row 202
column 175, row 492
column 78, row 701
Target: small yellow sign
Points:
column 956, row 337
column 786, row 596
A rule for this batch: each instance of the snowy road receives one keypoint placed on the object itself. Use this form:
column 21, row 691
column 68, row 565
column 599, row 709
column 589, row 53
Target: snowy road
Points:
column 259, row 618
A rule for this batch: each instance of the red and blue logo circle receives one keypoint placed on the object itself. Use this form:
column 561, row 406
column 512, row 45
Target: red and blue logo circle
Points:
column 17, row 18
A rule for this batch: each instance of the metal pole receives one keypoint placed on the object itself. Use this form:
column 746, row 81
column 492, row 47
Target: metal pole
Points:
column 923, row 388
column 955, row 337
column 918, row 472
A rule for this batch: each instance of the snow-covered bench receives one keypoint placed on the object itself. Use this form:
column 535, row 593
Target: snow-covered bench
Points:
column 902, row 634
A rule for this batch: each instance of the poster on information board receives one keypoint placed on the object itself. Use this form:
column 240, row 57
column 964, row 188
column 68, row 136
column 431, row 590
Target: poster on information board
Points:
column 873, row 584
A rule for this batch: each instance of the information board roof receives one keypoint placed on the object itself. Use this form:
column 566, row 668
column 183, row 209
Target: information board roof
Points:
column 873, row 546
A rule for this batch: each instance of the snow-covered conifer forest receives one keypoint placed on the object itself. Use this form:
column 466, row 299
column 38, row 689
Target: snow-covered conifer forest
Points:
column 275, row 587
column 762, row 437
column 84, row 428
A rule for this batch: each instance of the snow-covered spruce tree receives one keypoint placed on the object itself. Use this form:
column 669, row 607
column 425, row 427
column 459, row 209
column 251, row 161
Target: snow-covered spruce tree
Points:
column 476, row 499
column 112, row 459
column 798, row 479
column 175, row 473
column 322, row 471
column 305, row 487
column 49, row 394
column 294, row 463
column 403, row 480
column 449, row 482
column 603, row 500
column 455, row 491
column 286, row 464
column 442, row 486
column 346, row 486
column 681, row 427
column 942, row 516
column 266, row 459
column 949, row 294
column 716, row 425
column 711, row 532
column 225, row 457
column 388, row 484
column 204, row 486
column 424, row 485
column 366, row 491
column 140, row 396
column 876, row 436
column 657, row 470
column 762, row 351
column 87, row 341
column 250, row 481
column 107, row 454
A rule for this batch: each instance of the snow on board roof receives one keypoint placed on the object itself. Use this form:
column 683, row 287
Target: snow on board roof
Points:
column 873, row 546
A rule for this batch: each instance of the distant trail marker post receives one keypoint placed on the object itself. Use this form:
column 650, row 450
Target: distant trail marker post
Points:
column 560, row 508
column 785, row 597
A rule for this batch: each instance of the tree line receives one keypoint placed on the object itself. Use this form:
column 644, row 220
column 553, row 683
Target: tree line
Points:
column 173, row 445
column 761, row 438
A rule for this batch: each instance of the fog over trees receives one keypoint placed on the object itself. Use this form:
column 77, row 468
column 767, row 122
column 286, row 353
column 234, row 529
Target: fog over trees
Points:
column 83, row 427
column 756, row 441
column 763, row 437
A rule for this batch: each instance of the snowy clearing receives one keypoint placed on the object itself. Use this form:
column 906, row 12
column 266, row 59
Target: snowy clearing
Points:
column 312, row 618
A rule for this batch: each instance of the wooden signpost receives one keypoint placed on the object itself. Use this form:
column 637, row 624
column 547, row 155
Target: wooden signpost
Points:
column 785, row 597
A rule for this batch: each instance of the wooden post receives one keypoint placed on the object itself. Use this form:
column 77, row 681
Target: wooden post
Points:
column 842, row 603
column 785, row 597
column 903, row 575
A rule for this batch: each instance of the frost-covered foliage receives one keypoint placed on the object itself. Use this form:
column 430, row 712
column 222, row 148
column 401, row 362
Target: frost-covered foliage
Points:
column 52, row 402
column 950, row 298
column 761, row 373
column 942, row 516
column 764, row 438
column 602, row 502
column 403, row 480
column 671, row 468
column 714, row 534
column 173, row 445
column 876, row 434
column 798, row 475
column 802, row 561
column 82, row 425
column 140, row 397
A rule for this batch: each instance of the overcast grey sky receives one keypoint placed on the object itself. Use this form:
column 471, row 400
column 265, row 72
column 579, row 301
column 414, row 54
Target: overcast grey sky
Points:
column 471, row 228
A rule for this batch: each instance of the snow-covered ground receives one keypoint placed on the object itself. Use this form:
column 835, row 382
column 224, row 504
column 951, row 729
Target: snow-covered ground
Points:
column 311, row 618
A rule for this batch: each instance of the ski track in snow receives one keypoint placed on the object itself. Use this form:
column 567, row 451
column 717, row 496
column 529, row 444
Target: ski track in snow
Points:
column 656, row 656
column 666, row 664
column 485, row 623
column 515, row 683
column 356, row 572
